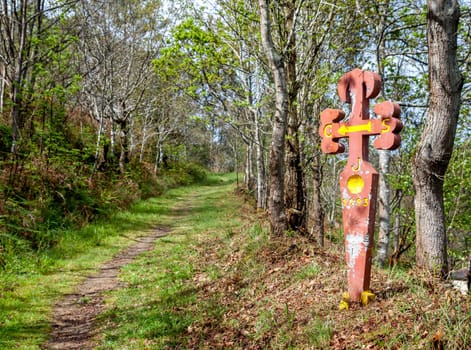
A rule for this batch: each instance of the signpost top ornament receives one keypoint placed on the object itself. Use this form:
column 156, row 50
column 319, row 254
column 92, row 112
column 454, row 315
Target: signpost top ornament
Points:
column 359, row 180
column 357, row 88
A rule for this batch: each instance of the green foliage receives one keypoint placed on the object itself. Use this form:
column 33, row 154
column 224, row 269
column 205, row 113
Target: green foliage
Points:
column 457, row 191
column 319, row 333
column 53, row 186
column 196, row 52
column 309, row 271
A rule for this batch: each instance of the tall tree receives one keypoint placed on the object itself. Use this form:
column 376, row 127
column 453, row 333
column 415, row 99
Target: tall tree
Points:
column 394, row 26
column 276, row 203
column 118, row 42
column 294, row 176
column 436, row 143
column 24, row 26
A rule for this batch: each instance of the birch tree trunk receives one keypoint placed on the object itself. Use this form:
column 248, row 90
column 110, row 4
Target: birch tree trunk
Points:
column 276, row 205
column 2, row 87
column 249, row 175
column 124, row 143
column 384, row 190
column 436, row 143
column 316, row 213
column 261, row 185
column 18, row 54
column 384, row 204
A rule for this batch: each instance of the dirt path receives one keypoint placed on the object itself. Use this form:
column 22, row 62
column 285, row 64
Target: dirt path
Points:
column 74, row 316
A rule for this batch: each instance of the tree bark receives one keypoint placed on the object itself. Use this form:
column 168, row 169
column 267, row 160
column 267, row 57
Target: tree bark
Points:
column 250, row 180
column 18, row 53
column 316, row 210
column 384, row 207
column 124, row 141
column 261, row 186
column 276, row 205
column 436, row 143
column 384, row 189
column 294, row 176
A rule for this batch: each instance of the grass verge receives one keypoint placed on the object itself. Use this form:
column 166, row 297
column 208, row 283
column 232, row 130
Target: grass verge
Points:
column 30, row 285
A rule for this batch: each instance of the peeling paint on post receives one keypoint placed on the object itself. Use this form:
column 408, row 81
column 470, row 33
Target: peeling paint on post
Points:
column 359, row 180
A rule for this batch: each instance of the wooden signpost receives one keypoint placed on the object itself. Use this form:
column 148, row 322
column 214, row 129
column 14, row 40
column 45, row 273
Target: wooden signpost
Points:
column 359, row 180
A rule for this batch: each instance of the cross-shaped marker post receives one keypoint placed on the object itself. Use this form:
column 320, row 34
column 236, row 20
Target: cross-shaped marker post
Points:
column 359, row 180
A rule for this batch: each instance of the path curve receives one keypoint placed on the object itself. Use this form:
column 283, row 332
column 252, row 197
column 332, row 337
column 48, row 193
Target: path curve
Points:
column 74, row 316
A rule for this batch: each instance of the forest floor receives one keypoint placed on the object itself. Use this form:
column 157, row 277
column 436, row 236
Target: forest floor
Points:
column 209, row 276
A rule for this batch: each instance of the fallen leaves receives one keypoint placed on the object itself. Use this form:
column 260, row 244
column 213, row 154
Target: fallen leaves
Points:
column 267, row 305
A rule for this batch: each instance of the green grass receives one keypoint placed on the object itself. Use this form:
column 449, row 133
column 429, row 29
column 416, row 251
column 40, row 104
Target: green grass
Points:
column 30, row 284
column 309, row 271
column 159, row 304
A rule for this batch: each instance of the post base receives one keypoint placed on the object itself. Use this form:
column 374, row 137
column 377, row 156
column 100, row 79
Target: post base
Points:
column 366, row 298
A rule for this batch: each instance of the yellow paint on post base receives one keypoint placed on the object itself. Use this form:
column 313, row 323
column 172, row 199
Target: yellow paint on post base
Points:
column 345, row 302
column 367, row 297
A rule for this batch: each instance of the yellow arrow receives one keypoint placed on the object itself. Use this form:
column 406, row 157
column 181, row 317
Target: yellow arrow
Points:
column 344, row 129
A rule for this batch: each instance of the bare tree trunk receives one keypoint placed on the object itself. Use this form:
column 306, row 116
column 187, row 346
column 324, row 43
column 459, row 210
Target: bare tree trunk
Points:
column 316, row 212
column 276, row 205
column 112, row 139
column 261, row 185
column 124, row 141
column 384, row 207
column 236, row 161
column 17, row 85
column 158, row 155
column 143, row 142
column 294, row 175
column 436, row 143
column 98, row 142
column 249, row 176
column 2, row 88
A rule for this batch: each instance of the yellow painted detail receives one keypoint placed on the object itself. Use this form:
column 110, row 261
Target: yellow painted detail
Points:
column 328, row 130
column 343, row 305
column 357, row 166
column 367, row 297
column 359, row 202
column 345, row 302
column 355, row 184
column 386, row 127
column 346, row 129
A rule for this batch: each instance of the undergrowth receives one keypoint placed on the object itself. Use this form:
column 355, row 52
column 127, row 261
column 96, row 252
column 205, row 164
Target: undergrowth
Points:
column 48, row 201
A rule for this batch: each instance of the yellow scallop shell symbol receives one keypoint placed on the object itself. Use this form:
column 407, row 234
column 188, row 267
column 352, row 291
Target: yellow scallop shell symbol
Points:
column 355, row 184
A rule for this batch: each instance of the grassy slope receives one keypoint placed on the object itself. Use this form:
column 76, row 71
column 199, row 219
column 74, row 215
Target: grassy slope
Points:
column 218, row 281
column 30, row 285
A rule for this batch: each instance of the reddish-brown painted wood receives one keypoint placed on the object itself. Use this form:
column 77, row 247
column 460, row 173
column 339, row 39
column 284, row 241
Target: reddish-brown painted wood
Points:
column 359, row 180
